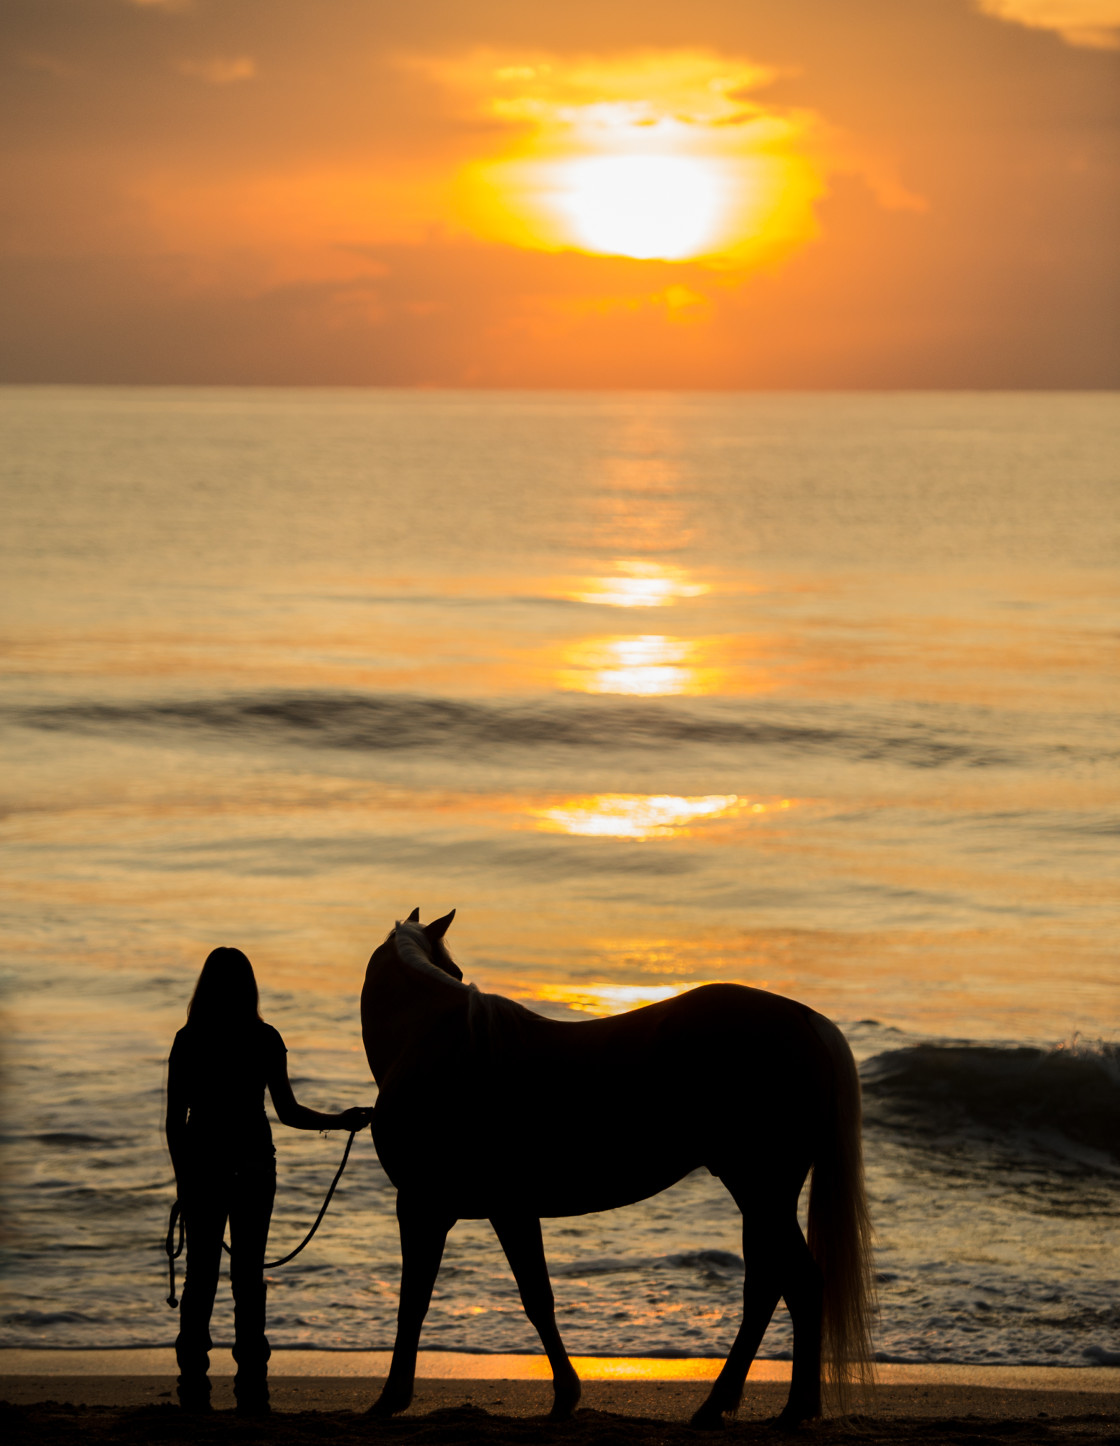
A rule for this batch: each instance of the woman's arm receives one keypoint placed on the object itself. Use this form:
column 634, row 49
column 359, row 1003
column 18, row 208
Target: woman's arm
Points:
column 289, row 1111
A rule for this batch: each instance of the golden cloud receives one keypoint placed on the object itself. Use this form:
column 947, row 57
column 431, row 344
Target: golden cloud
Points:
column 219, row 69
column 1093, row 23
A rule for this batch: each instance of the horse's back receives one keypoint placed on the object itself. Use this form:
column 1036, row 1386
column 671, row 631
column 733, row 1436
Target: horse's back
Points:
column 588, row 1115
column 716, row 1031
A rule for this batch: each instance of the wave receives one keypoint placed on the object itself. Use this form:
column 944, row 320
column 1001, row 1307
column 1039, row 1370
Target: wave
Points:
column 39, row 1319
column 394, row 723
column 1006, row 1100
column 73, row 1139
column 711, row 1264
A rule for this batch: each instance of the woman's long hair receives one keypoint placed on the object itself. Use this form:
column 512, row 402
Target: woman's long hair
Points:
column 225, row 998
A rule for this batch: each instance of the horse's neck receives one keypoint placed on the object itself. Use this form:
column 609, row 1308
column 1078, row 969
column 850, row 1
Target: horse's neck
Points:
column 400, row 1007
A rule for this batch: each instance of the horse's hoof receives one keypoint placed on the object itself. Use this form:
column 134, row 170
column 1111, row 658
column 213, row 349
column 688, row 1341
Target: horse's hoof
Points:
column 708, row 1418
column 388, row 1405
column 564, row 1402
column 791, row 1421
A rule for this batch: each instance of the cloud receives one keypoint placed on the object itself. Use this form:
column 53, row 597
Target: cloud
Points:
column 47, row 64
column 219, row 69
column 1092, row 23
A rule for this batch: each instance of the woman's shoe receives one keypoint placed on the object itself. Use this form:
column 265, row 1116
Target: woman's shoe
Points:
column 194, row 1394
column 253, row 1405
column 251, row 1395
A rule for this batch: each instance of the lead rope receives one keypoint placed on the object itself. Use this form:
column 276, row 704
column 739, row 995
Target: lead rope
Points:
column 174, row 1251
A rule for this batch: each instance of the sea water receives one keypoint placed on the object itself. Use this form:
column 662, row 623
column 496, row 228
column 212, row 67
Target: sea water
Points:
column 813, row 692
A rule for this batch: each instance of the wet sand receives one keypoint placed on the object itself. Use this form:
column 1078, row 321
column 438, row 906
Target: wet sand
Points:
column 55, row 1409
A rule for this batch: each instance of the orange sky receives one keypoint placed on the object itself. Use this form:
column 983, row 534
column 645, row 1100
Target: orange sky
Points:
column 729, row 193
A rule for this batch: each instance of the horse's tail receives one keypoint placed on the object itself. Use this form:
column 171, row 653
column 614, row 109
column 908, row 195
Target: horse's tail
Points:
column 840, row 1229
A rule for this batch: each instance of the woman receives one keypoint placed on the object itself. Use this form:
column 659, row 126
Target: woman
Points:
column 225, row 1167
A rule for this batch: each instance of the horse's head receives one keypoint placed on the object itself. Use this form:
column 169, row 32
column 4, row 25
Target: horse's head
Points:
column 422, row 944
column 411, row 966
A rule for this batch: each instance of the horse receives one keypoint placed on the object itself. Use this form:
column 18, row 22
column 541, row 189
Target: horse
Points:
column 488, row 1111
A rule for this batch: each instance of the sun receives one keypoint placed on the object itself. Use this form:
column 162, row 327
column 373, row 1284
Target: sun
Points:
column 650, row 207
column 655, row 156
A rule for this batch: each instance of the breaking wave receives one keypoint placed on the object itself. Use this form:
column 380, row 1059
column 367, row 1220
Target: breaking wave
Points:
column 1062, row 1103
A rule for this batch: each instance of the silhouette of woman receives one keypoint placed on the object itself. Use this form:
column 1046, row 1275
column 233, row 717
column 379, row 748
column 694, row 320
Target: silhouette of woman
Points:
column 221, row 1148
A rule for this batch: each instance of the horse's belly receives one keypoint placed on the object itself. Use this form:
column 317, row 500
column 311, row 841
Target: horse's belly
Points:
column 553, row 1199
column 587, row 1194
column 549, row 1175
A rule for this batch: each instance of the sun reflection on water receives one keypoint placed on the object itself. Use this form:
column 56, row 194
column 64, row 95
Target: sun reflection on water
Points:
column 633, row 815
column 640, row 585
column 647, row 666
column 602, row 998
column 647, row 815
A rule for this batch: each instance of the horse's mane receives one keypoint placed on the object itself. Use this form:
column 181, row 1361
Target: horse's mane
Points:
column 493, row 1022
column 418, row 951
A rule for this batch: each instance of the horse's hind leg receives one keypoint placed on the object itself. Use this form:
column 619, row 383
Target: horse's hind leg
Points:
column 423, row 1235
column 778, row 1264
column 804, row 1295
column 520, row 1238
column 762, row 1289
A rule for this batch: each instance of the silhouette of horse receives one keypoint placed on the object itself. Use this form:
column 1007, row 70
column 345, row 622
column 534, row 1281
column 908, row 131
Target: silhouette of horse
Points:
column 489, row 1111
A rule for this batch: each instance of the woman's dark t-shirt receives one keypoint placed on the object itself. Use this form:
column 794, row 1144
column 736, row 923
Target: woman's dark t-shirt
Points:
column 223, row 1076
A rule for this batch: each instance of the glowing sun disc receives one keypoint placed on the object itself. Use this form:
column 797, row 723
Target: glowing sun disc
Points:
column 648, row 207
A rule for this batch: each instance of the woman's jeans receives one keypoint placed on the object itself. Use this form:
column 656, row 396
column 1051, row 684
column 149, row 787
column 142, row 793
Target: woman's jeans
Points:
column 244, row 1196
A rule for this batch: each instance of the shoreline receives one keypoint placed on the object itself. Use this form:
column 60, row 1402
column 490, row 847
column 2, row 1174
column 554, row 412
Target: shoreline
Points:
column 345, row 1365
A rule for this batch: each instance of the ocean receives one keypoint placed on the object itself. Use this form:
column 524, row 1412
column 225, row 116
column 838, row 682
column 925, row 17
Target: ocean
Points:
column 813, row 692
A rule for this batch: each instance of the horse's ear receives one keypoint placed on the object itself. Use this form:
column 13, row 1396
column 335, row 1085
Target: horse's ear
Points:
column 414, row 917
column 439, row 927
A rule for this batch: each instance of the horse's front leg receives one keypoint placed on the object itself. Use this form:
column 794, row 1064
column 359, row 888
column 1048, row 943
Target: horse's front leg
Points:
column 423, row 1234
column 520, row 1238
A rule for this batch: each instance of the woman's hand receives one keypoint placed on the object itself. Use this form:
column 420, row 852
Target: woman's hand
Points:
column 356, row 1118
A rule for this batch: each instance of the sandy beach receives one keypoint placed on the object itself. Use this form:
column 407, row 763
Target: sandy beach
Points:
column 57, row 1408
